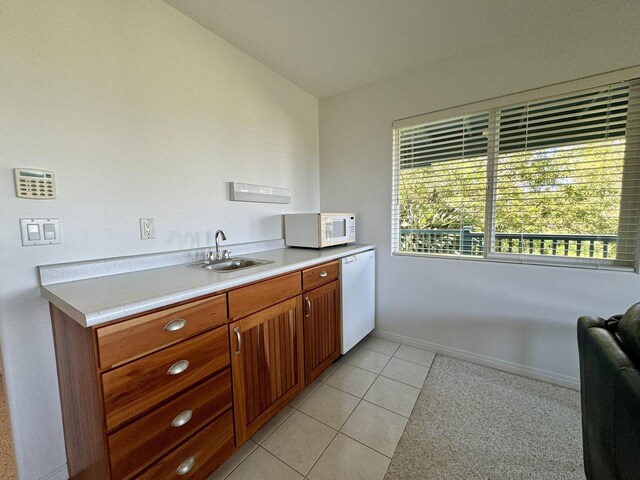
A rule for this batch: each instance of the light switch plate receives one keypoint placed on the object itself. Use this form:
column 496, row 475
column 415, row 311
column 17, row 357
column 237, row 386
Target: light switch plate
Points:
column 40, row 231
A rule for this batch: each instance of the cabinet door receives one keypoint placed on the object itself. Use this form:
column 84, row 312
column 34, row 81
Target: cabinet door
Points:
column 266, row 363
column 321, row 329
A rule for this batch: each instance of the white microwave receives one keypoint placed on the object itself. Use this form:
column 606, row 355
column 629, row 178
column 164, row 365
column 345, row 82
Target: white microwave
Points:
column 319, row 230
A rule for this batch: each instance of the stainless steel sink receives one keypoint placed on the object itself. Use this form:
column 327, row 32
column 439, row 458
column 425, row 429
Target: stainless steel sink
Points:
column 230, row 264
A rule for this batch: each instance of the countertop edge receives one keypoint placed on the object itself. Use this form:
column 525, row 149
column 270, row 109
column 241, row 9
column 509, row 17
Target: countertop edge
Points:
column 91, row 319
column 65, row 307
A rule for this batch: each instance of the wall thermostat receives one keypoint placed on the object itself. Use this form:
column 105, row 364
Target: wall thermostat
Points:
column 35, row 184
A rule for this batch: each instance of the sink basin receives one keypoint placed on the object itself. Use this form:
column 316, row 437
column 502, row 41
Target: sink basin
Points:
column 230, row 264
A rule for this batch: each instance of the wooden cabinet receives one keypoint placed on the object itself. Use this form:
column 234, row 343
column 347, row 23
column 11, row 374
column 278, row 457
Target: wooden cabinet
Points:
column 322, row 274
column 321, row 329
column 144, row 399
column 267, row 364
column 137, row 443
column 321, row 304
column 128, row 339
column 197, row 458
column 257, row 296
column 172, row 393
column 137, row 386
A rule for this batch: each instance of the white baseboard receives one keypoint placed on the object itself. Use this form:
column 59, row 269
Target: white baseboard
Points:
column 60, row 473
column 525, row 371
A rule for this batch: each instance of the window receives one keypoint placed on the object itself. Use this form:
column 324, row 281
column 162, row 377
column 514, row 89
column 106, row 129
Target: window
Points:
column 550, row 180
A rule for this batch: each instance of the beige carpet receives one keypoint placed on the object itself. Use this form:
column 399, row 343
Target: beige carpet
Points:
column 474, row 422
column 7, row 463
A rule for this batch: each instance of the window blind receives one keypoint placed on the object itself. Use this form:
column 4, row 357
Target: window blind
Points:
column 441, row 175
column 552, row 179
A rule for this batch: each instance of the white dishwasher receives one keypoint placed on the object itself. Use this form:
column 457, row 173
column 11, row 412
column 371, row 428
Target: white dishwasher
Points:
column 357, row 288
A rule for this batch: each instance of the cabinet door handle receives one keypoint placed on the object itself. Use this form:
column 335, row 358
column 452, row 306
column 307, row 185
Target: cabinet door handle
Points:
column 182, row 418
column 175, row 325
column 306, row 299
column 323, row 274
column 178, row 367
column 186, row 466
column 239, row 338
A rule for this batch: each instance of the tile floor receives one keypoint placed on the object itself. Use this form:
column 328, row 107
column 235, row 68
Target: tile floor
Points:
column 344, row 425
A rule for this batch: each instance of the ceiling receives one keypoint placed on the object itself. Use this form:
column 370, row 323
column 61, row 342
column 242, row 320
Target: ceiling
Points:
column 329, row 46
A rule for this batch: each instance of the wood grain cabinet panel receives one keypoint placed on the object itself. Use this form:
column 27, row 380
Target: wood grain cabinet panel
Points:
column 80, row 398
column 246, row 300
column 321, row 329
column 267, row 365
column 198, row 457
column 132, row 338
column 320, row 275
column 133, row 388
column 143, row 441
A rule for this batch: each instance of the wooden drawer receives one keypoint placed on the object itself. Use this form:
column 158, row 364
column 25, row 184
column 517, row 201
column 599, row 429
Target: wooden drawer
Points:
column 138, row 444
column 132, row 338
column 137, row 386
column 207, row 450
column 246, row 300
column 316, row 276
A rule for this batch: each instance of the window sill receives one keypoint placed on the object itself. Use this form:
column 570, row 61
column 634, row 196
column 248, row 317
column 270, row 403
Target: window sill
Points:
column 529, row 261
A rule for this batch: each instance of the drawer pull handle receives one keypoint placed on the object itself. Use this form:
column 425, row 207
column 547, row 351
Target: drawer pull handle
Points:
column 182, row 418
column 239, row 337
column 178, row 367
column 323, row 274
column 306, row 299
column 186, row 466
column 174, row 325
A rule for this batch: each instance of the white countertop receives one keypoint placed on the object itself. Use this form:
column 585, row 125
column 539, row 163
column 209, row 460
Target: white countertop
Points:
column 98, row 300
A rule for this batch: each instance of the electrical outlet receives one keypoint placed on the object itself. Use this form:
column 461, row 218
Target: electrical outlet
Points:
column 147, row 229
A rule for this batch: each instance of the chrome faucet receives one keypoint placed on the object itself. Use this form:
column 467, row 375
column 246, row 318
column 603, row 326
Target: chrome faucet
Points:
column 218, row 256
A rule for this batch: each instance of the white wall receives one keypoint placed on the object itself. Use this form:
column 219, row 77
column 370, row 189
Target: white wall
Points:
column 517, row 317
column 140, row 112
